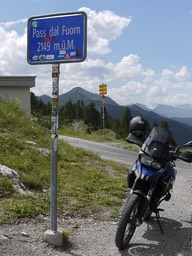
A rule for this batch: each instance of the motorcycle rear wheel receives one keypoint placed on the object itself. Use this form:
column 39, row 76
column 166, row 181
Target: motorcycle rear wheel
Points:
column 127, row 222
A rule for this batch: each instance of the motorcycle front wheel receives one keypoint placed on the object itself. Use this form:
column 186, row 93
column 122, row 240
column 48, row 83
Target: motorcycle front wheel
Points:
column 127, row 222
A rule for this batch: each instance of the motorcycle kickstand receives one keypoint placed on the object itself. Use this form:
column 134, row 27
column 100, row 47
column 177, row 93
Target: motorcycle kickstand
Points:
column 159, row 219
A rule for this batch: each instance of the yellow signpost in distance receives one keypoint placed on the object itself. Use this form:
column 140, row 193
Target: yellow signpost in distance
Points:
column 103, row 92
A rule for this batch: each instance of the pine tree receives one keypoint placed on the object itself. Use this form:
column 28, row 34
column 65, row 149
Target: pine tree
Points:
column 126, row 118
column 92, row 115
column 67, row 112
column 79, row 110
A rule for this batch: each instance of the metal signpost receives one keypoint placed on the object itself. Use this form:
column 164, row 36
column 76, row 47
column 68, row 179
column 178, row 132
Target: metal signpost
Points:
column 54, row 39
column 103, row 92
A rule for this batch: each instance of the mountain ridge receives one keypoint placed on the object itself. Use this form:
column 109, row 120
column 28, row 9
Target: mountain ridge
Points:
column 182, row 132
column 176, row 111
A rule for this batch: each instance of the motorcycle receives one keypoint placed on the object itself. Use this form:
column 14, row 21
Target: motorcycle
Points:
column 150, row 181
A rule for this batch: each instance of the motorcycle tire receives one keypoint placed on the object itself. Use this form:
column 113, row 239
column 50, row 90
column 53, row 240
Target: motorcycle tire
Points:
column 127, row 222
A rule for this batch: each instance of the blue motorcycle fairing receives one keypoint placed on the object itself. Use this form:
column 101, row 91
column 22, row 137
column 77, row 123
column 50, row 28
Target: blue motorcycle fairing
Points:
column 147, row 174
column 171, row 171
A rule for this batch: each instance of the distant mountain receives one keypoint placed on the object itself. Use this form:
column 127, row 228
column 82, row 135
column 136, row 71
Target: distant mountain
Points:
column 76, row 94
column 187, row 121
column 141, row 106
column 45, row 98
column 184, row 111
column 182, row 132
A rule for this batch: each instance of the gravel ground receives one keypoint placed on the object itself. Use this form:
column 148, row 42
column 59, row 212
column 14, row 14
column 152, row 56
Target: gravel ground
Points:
column 87, row 237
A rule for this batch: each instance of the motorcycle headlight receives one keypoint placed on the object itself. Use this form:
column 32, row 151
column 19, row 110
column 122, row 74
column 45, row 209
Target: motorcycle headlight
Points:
column 150, row 162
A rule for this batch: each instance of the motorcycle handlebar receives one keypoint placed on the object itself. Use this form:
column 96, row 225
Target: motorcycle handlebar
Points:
column 185, row 156
column 175, row 153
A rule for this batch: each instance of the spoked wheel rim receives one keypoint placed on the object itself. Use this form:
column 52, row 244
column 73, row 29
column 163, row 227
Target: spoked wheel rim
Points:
column 131, row 225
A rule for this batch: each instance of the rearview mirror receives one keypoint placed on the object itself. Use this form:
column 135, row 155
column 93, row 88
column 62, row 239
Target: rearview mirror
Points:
column 188, row 144
column 186, row 156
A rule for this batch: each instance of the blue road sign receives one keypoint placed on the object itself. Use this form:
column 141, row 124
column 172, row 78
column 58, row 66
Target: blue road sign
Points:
column 57, row 38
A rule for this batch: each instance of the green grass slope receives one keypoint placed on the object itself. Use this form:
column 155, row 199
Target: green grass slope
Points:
column 87, row 185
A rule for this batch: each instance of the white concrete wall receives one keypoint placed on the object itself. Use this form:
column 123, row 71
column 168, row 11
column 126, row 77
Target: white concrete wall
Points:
column 17, row 88
column 22, row 94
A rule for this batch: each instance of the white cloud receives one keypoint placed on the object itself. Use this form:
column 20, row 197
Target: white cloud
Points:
column 128, row 80
column 12, row 23
column 156, row 90
column 12, row 52
column 187, row 86
column 176, row 99
column 167, row 73
column 129, row 93
column 182, row 74
column 103, row 27
column 128, row 67
column 148, row 74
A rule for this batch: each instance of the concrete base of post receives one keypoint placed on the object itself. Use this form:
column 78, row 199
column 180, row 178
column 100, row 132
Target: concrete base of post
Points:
column 54, row 237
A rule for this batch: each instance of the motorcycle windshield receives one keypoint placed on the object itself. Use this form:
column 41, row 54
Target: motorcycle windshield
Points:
column 157, row 143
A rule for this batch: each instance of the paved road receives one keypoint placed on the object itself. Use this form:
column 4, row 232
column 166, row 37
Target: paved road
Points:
column 176, row 219
column 103, row 149
column 112, row 153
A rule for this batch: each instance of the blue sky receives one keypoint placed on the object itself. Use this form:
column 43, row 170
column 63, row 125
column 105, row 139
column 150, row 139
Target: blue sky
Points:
column 141, row 49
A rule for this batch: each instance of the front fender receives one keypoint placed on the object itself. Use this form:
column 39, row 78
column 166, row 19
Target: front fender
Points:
column 139, row 192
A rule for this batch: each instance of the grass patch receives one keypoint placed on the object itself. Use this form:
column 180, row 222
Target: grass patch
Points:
column 87, row 185
column 6, row 188
column 22, row 207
